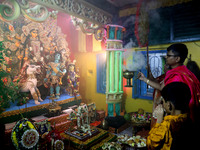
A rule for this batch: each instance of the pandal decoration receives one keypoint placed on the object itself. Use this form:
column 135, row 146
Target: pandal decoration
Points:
column 53, row 139
column 111, row 146
column 141, row 24
column 24, row 135
column 30, row 138
column 88, row 27
column 85, row 114
column 59, row 145
column 83, row 119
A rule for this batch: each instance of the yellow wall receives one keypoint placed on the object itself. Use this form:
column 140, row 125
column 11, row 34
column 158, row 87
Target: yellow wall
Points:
column 88, row 91
column 87, row 65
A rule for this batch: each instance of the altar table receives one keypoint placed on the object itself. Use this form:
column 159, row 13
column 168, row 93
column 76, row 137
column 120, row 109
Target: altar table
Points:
column 93, row 143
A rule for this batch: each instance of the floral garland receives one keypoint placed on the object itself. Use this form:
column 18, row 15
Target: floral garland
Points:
column 24, row 135
column 111, row 146
column 59, row 145
column 30, row 138
column 141, row 118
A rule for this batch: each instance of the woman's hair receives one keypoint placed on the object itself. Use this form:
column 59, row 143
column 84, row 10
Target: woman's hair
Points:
column 179, row 94
column 180, row 50
column 194, row 68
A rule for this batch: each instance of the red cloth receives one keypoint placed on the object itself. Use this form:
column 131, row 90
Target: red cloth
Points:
column 182, row 74
column 96, row 123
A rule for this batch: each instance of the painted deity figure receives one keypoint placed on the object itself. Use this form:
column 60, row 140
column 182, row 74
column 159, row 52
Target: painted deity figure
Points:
column 73, row 80
column 83, row 119
column 35, row 47
column 28, row 81
column 55, row 72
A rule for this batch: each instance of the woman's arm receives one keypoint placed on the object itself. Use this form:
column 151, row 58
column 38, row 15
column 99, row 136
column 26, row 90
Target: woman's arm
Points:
column 153, row 84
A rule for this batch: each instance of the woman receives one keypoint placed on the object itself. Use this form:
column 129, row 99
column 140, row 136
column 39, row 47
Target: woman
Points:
column 157, row 93
column 192, row 66
column 176, row 55
column 173, row 129
column 156, row 98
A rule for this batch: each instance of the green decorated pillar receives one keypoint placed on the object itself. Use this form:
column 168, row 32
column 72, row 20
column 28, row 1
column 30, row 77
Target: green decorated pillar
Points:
column 114, row 72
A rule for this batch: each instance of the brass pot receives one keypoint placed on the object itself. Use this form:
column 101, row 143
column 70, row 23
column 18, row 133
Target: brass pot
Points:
column 128, row 75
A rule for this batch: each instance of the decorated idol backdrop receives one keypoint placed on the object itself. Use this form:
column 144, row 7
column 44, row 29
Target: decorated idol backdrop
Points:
column 36, row 60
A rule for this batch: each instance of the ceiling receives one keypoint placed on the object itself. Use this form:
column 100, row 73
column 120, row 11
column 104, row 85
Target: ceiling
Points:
column 113, row 6
column 122, row 3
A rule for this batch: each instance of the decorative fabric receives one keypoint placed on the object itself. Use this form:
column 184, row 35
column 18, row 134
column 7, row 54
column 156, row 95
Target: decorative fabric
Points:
column 52, row 135
column 63, row 126
column 58, row 119
column 182, row 74
column 160, row 136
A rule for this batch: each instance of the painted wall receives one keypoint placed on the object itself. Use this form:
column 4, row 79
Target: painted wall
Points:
column 88, row 73
column 87, row 64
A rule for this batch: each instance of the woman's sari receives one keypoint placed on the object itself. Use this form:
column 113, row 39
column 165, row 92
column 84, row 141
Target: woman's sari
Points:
column 182, row 74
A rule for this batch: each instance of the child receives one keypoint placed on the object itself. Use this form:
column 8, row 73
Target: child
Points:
column 173, row 129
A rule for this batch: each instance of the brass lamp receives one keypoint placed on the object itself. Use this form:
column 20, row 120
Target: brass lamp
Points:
column 128, row 75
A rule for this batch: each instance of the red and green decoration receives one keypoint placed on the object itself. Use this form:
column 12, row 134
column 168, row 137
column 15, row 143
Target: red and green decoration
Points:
column 142, row 24
column 9, row 91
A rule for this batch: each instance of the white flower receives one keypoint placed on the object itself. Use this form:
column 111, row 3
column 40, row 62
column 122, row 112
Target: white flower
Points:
column 30, row 138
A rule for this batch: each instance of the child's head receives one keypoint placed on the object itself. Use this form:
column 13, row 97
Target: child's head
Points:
column 176, row 95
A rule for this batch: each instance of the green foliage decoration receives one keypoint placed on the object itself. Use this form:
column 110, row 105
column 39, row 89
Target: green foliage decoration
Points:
column 9, row 91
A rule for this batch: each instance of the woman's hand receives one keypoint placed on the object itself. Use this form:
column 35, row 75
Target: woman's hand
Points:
column 159, row 113
column 141, row 76
column 153, row 84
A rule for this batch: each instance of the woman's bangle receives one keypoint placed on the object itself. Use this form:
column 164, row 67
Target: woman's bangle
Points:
column 147, row 81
